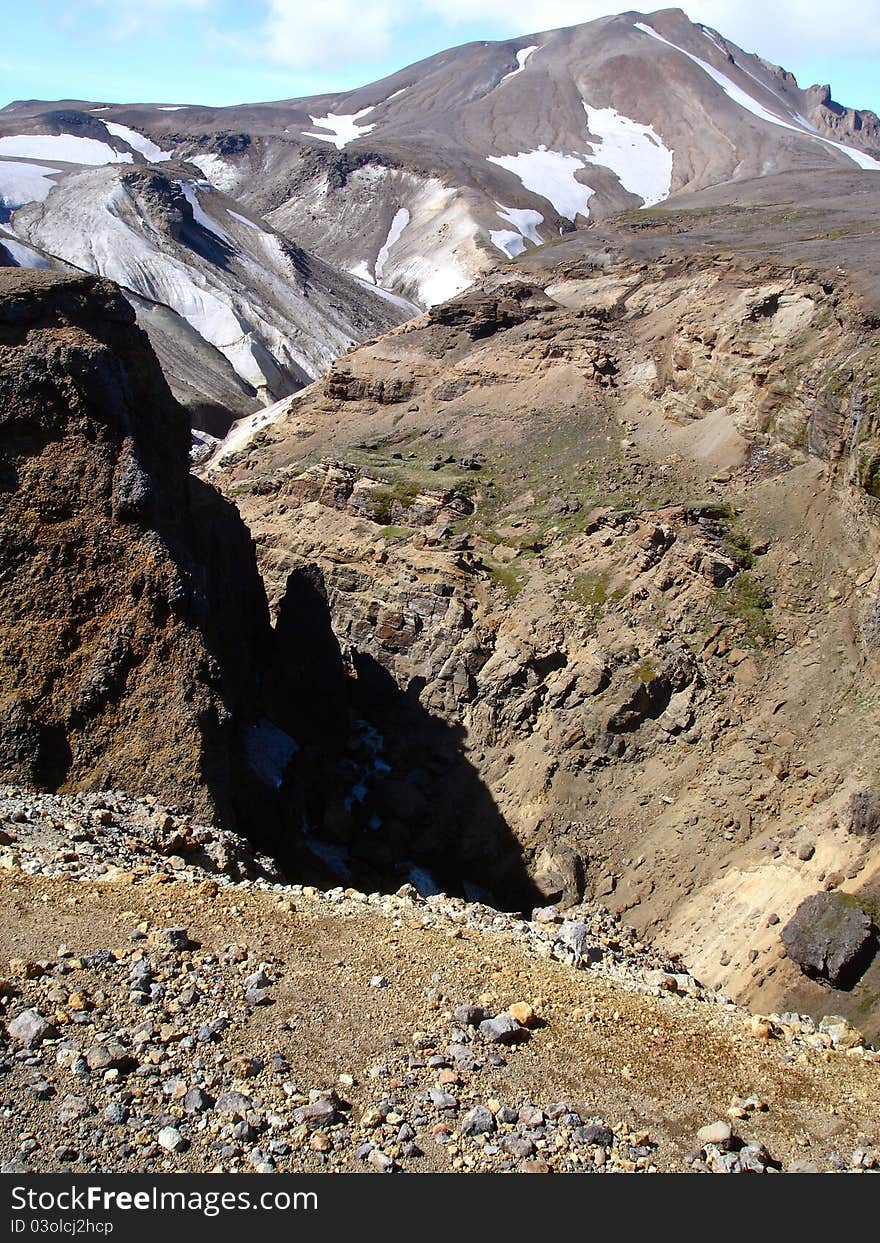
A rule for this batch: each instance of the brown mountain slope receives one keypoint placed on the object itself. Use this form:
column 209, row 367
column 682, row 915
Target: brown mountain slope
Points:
column 438, row 172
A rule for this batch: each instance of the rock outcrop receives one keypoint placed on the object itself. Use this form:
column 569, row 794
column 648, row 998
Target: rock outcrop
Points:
column 830, row 937
column 135, row 639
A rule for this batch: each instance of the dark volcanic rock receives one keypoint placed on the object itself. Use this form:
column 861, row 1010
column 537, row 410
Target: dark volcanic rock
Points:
column 134, row 629
column 864, row 813
column 830, row 937
column 478, row 315
column 115, row 562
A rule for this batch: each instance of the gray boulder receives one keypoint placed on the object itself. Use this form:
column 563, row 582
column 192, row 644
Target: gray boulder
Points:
column 503, row 1029
column 831, row 938
column 30, row 1029
column 577, row 940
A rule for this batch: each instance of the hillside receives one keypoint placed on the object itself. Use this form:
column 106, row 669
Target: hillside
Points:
column 611, row 518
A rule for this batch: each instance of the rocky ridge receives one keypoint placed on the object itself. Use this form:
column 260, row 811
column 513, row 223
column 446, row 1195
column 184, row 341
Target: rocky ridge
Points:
column 135, row 639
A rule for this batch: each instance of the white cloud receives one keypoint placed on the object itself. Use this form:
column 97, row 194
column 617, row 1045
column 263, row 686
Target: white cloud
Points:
column 329, row 32
column 128, row 17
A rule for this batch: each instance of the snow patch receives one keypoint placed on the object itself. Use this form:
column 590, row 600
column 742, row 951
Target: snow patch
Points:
column 65, row 147
column 343, row 127
column 801, row 120
column 741, row 97
column 362, row 271
column 398, row 224
column 219, row 172
column 361, row 274
column 861, row 158
column 713, row 37
column 172, row 107
column 251, row 224
column 138, row 142
column 521, row 57
column 635, row 153
column 440, row 282
column 524, row 220
column 552, row 175
column 245, row 429
column 510, row 243
column 200, row 216
column 23, row 183
column 23, row 256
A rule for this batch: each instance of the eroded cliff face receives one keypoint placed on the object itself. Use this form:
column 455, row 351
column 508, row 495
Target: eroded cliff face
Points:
column 614, row 522
column 137, row 651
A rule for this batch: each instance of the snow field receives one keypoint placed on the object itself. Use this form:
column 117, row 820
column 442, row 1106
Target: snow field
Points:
column 69, row 148
column 551, row 174
column 635, row 153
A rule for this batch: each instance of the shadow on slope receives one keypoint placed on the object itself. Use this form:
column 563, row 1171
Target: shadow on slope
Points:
column 410, row 807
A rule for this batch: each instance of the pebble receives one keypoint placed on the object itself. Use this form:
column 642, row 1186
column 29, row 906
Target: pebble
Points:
column 196, row 1101
column 442, row 1100
column 517, row 1146
column 470, row 1016
column 318, row 1114
column 30, row 1029
column 171, row 1139
column 175, row 938
column 536, row 1165
column 503, row 1029
column 233, row 1103
column 73, row 1107
column 478, row 1121
column 714, row 1133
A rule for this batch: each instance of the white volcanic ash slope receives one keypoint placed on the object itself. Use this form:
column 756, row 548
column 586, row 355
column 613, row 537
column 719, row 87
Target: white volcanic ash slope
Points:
column 267, row 317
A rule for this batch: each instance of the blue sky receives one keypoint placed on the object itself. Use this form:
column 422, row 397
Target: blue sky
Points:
column 221, row 52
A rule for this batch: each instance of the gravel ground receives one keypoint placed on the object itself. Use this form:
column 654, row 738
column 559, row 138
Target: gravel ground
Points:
column 171, row 1006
